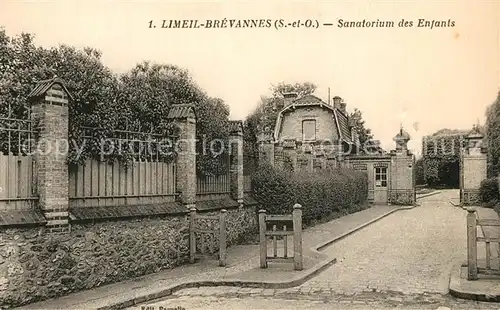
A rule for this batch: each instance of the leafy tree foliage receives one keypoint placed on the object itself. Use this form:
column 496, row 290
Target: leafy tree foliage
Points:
column 365, row 134
column 441, row 168
column 88, row 80
column 138, row 100
column 489, row 191
column 493, row 136
column 419, row 171
column 149, row 90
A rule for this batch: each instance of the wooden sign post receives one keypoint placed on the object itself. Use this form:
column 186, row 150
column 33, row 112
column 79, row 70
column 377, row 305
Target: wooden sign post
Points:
column 281, row 226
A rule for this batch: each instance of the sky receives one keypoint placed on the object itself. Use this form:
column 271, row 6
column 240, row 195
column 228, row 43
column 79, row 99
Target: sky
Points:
column 425, row 79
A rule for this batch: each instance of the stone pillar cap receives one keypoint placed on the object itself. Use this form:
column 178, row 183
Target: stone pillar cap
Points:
column 43, row 86
column 236, row 127
column 181, row 111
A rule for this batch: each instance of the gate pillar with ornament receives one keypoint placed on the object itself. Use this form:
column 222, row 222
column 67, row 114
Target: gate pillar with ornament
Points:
column 472, row 167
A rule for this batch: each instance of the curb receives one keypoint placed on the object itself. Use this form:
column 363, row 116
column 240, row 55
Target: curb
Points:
column 458, row 293
column 169, row 290
column 298, row 280
column 429, row 194
column 459, row 205
column 350, row 232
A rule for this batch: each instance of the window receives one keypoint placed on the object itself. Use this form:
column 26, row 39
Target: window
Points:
column 309, row 130
column 381, row 177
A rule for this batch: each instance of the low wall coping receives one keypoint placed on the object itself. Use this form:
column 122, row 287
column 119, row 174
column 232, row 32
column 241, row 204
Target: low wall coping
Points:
column 21, row 218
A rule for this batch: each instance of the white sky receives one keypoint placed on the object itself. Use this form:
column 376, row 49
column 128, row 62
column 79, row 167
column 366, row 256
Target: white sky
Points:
column 444, row 77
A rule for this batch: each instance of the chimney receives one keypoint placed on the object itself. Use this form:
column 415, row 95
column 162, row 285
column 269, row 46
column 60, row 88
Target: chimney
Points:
column 339, row 103
column 351, row 122
column 289, row 97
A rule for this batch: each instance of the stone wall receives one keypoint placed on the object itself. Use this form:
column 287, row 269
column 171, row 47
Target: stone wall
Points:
column 35, row 265
column 473, row 172
column 402, row 197
column 402, row 185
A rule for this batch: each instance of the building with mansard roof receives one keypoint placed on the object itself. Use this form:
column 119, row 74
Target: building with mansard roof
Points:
column 311, row 135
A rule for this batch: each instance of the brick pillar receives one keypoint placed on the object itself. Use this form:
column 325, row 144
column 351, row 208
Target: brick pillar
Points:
column 290, row 154
column 278, row 156
column 49, row 105
column 184, row 117
column 266, row 152
column 473, row 168
column 236, row 148
column 402, row 183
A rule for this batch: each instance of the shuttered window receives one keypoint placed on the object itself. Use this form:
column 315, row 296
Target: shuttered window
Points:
column 309, row 130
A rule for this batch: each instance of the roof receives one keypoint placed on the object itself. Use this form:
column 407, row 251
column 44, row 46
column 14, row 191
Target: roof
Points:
column 450, row 132
column 43, row 86
column 341, row 119
column 308, row 100
column 235, row 126
column 402, row 135
column 343, row 124
column 181, row 111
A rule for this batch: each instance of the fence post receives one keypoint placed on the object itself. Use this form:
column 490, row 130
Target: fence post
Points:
column 222, row 239
column 262, row 239
column 237, row 182
column 49, row 100
column 471, row 244
column 297, row 236
column 192, row 234
column 184, row 117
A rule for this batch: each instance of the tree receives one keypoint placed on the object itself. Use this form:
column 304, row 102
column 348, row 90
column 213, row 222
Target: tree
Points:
column 419, row 171
column 363, row 132
column 138, row 100
column 89, row 81
column 493, row 136
column 150, row 89
column 442, row 167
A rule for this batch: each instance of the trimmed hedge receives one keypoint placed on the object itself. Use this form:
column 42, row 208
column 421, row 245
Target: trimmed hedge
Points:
column 339, row 191
column 489, row 191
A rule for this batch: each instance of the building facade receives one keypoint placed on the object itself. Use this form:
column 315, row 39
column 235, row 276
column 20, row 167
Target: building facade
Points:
column 444, row 142
column 312, row 135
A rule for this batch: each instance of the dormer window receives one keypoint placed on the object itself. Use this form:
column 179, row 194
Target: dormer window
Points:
column 309, row 130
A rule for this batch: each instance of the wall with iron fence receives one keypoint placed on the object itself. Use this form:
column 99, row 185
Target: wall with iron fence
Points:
column 101, row 183
column 44, row 182
column 209, row 187
column 18, row 190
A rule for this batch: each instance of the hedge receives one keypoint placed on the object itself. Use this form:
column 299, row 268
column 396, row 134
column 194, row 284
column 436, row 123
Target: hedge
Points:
column 489, row 191
column 339, row 191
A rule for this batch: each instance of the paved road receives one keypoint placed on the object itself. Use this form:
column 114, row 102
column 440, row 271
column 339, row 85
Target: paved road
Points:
column 402, row 261
column 409, row 251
